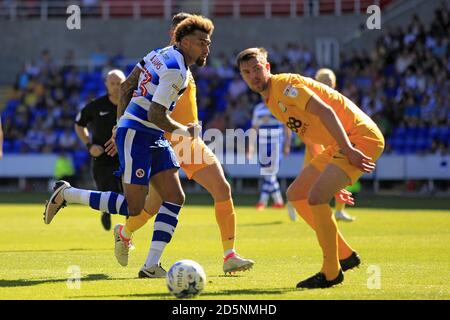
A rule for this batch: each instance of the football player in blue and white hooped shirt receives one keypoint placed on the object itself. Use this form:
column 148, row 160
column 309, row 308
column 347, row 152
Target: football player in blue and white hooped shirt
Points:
column 147, row 97
column 273, row 139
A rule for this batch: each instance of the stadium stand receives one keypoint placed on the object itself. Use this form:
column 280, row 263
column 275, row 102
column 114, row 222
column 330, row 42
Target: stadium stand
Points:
column 160, row 8
column 290, row 7
column 403, row 85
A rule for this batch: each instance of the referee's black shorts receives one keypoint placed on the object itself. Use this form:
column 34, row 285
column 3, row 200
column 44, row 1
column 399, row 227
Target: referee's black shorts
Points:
column 105, row 179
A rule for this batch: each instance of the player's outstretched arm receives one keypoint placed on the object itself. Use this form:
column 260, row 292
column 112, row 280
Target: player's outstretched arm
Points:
column 330, row 120
column 126, row 90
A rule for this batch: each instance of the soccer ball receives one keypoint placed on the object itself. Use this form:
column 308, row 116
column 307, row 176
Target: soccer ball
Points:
column 185, row 279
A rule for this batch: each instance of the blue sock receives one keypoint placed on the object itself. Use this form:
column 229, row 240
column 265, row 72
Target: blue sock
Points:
column 165, row 224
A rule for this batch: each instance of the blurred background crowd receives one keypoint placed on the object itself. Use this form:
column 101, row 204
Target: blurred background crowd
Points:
column 403, row 84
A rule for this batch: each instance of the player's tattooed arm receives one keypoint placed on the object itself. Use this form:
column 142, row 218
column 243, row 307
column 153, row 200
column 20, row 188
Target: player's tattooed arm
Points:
column 157, row 114
column 126, row 90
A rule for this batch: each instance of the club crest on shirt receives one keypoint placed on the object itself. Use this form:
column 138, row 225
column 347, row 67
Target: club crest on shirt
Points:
column 290, row 91
column 140, row 173
column 282, row 106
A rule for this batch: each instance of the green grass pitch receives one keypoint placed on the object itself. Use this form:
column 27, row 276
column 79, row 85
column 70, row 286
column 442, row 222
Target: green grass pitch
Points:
column 405, row 252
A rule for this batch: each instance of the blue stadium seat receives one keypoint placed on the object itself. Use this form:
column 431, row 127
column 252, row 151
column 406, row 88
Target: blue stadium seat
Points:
column 411, row 132
column 423, row 144
column 398, row 144
column 444, row 134
column 17, row 146
column 399, row 132
column 8, row 146
column 434, row 133
column 423, row 131
column 410, row 145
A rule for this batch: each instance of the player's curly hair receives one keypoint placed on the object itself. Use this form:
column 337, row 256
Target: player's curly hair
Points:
column 251, row 53
column 179, row 17
column 193, row 23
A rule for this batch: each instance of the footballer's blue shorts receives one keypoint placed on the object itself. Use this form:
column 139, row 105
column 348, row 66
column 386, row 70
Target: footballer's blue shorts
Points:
column 142, row 154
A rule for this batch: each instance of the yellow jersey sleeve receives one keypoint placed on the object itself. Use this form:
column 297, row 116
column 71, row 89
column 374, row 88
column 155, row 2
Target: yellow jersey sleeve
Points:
column 289, row 95
column 185, row 110
column 291, row 91
column 288, row 98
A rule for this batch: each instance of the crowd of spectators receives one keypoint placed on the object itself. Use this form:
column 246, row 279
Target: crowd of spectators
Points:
column 404, row 85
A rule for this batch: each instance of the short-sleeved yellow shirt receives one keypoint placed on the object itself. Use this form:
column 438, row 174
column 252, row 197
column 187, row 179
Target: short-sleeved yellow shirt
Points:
column 185, row 110
column 288, row 96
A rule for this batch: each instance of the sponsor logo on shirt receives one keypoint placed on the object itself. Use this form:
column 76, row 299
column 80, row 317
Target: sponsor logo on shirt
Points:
column 175, row 87
column 290, row 91
column 295, row 124
column 282, row 107
column 156, row 63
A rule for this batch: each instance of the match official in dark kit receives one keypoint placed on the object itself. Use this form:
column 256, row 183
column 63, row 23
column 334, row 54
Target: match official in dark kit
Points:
column 93, row 126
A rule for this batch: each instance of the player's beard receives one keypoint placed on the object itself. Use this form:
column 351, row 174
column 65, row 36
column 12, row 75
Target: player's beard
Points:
column 201, row 61
column 260, row 88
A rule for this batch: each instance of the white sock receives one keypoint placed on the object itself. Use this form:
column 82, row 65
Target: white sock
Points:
column 74, row 195
column 277, row 198
column 229, row 251
column 125, row 234
column 153, row 257
column 263, row 198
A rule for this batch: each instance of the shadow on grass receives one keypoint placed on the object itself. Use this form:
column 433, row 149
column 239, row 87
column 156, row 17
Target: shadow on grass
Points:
column 56, row 250
column 362, row 201
column 204, row 294
column 27, row 283
column 242, row 225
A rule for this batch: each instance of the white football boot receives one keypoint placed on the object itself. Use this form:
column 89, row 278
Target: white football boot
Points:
column 122, row 246
column 344, row 216
column 56, row 201
column 234, row 263
column 155, row 271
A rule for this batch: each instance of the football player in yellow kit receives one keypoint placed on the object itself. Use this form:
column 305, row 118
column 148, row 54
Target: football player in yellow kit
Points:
column 352, row 141
column 326, row 76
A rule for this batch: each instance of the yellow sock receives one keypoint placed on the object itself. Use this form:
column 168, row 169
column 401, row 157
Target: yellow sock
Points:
column 304, row 210
column 226, row 219
column 344, row 249
column 133, row 223
column 327, row 234
column 150, row 215
column 339, row 206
